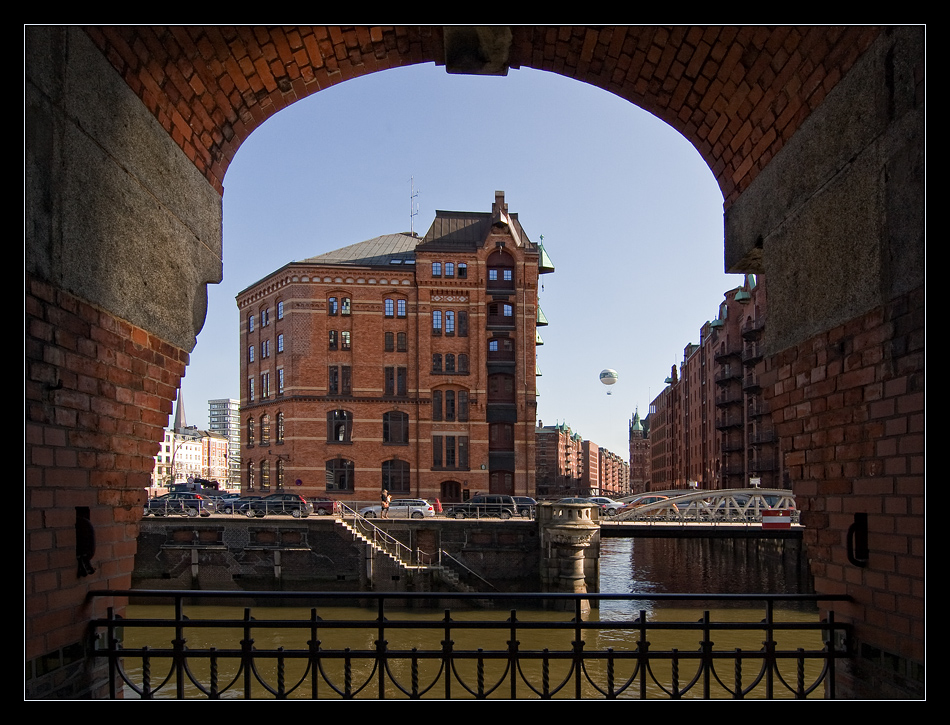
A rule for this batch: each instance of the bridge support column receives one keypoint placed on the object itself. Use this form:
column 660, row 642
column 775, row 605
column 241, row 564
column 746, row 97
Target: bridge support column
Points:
column 569, row 535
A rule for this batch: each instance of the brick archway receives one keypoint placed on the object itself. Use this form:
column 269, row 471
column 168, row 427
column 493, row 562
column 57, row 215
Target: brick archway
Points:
column 125, row 171
column 736, row 93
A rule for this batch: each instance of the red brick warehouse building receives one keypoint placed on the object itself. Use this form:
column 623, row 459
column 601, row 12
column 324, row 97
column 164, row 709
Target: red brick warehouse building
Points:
column 401, row 362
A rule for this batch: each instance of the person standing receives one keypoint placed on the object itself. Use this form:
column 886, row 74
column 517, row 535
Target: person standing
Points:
column 385, row 499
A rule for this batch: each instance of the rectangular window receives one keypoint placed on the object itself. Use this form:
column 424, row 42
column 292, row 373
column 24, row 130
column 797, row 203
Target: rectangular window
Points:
column 265, row 317
column 436, row 363
column 463, row 452
column 449, row 322
column 333, row 382
column 400, row 308
column 463, row 405
column 436, row 322
column 463, row 324
column 346, row 381
column 388, row 342
column 390, row 309
column 280, row 343
column 402, row 344
column 332, row 339
column 437, row 269
column 280, row 381
column 265, row 385
column 436, row 405
column 402, row 387
column 332, row 306
column 436, row 451
column 450, row 451
column 250, row 389
column 345, row 340
column 345, row 306
column 463, row 271
column 450, row 405
column 250, row 354
column 265, row 349
column 449, row 269
column 508, row 275
column 389, row 382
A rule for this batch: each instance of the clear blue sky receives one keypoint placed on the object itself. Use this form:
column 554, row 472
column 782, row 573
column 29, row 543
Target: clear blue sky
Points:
column 630, row 214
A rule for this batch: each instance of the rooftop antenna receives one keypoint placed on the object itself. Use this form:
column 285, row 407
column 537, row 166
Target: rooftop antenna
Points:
column 413, row 205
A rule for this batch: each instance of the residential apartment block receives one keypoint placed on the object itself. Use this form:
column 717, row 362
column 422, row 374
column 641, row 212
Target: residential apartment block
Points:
column 401, row 362
column 568, row 465
column 710, row 428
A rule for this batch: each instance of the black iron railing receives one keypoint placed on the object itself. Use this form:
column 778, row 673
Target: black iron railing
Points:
column 384, row 647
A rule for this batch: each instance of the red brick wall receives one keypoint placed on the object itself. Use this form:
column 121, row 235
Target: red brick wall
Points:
column 849, row 407
column 98, row 394
column 737, row 93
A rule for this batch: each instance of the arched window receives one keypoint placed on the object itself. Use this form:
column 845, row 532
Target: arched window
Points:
column 280, row 474
column 250, row 476
column 339, row 426
column 501, row 269
column 265, row 429
column 279, row 432
column 396, row 427
column 340, row 475
column 250, row 431
column 396, row 476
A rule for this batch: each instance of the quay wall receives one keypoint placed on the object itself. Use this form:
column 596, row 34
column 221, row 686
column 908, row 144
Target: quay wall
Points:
column 319, row 554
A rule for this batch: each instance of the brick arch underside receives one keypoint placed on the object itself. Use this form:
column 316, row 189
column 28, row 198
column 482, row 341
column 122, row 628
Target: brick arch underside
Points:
column 736, row 93
column 99, row 389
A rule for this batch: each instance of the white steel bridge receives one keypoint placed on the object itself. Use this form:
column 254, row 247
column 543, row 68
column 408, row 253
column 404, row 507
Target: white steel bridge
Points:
column 738, row 505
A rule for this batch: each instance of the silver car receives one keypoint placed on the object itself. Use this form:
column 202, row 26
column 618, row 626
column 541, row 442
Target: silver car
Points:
column 401, row 508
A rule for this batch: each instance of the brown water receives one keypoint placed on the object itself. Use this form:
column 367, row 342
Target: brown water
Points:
column 627, row 565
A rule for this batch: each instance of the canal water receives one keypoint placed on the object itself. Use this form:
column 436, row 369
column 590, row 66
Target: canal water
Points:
column 647, row 566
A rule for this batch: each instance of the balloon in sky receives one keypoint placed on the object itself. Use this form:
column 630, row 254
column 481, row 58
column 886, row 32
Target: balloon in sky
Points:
column 608, row 377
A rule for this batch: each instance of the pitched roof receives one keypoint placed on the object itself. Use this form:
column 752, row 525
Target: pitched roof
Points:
column 379, row 251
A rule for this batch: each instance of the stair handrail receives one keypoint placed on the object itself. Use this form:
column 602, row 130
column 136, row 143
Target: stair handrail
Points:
column 443, row 554
column 384, row 541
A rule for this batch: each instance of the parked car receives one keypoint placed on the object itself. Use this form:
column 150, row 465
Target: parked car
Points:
column 292, row 504
column 612, row 507
column 323, row 506
column 584, row 499
column 647, row 499
column 526, row 505
column 485, row 505
column 180, row 504
column 401, row 508
column 236, row 505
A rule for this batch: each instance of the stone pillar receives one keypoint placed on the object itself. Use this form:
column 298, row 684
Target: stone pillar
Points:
column 568, row 536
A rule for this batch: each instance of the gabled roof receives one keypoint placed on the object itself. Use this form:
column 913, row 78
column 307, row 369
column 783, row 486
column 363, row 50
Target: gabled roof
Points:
column 464, row 230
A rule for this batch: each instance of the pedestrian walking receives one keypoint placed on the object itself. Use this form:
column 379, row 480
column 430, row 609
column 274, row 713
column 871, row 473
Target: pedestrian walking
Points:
column 384, row 500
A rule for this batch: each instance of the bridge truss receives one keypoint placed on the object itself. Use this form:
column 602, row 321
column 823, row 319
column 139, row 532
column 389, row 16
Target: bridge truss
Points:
column 738, row 505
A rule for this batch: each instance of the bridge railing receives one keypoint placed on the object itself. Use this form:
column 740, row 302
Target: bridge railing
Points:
column 542, row 648
column 727, row 506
